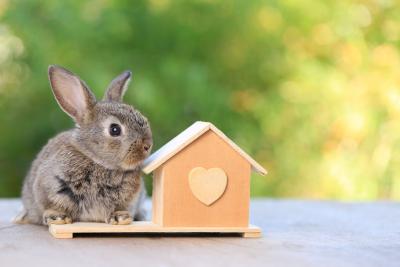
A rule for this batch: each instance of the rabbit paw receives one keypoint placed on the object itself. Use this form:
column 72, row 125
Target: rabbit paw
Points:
column 119, row 217
column 55, row 217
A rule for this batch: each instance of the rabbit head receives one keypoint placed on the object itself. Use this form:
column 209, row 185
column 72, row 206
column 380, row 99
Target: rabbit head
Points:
column 111, row 133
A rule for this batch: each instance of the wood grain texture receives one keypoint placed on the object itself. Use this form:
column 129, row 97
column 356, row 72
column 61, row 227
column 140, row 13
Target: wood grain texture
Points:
column 67, row 230
column 185, row 138
column 182, row 208
column 295, row 233
column 158, row 197
column 207, row 185
column 175, row 145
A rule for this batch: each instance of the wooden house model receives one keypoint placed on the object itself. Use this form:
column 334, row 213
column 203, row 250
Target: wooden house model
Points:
column 201, row 179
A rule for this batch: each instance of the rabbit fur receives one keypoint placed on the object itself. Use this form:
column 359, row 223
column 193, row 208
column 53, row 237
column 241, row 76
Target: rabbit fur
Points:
column 89, row 173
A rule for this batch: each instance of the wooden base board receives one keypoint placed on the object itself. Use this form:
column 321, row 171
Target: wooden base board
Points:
column 68, row 230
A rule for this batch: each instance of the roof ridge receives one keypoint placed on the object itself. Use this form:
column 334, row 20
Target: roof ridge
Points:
column 190, row 134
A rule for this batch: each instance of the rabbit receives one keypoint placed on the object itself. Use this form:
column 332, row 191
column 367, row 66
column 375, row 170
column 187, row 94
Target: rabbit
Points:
column 91, row 173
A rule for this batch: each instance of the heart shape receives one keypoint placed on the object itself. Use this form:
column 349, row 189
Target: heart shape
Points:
column 207, row 185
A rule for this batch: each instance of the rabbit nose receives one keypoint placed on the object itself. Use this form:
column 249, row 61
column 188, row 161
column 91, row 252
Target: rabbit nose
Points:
column 146, row 146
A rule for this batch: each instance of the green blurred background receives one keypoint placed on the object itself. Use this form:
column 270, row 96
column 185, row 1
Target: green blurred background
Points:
column 311, row 89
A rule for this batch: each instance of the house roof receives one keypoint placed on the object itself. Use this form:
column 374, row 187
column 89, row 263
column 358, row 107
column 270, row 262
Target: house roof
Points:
column 185, row 138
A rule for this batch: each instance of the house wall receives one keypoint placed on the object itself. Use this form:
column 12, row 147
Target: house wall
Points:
column 157, row 198
column 181, row 208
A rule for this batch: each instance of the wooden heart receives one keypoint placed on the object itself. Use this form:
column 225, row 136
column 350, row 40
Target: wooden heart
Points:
column 207, row 185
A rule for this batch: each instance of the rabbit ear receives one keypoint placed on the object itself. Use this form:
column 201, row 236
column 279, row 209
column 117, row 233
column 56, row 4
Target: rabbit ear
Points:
column 117, row 87
column 72, row 94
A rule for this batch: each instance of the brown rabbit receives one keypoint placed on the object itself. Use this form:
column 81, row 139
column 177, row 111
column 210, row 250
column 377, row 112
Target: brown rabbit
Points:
column 91, row 172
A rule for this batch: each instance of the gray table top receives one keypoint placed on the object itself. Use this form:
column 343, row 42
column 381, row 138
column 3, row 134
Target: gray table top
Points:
column 295, row 233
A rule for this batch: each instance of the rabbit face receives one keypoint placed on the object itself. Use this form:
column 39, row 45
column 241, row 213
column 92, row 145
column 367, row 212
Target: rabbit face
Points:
column 111, row 133
column 117, row 136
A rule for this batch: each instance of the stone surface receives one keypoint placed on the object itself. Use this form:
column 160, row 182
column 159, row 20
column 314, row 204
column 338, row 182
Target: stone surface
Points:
column 296, row 233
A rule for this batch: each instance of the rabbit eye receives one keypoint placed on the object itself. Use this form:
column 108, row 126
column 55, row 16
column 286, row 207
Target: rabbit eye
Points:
column 115, row 130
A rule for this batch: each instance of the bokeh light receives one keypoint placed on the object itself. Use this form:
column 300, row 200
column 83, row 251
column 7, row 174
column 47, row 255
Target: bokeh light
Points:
column 310, row 88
